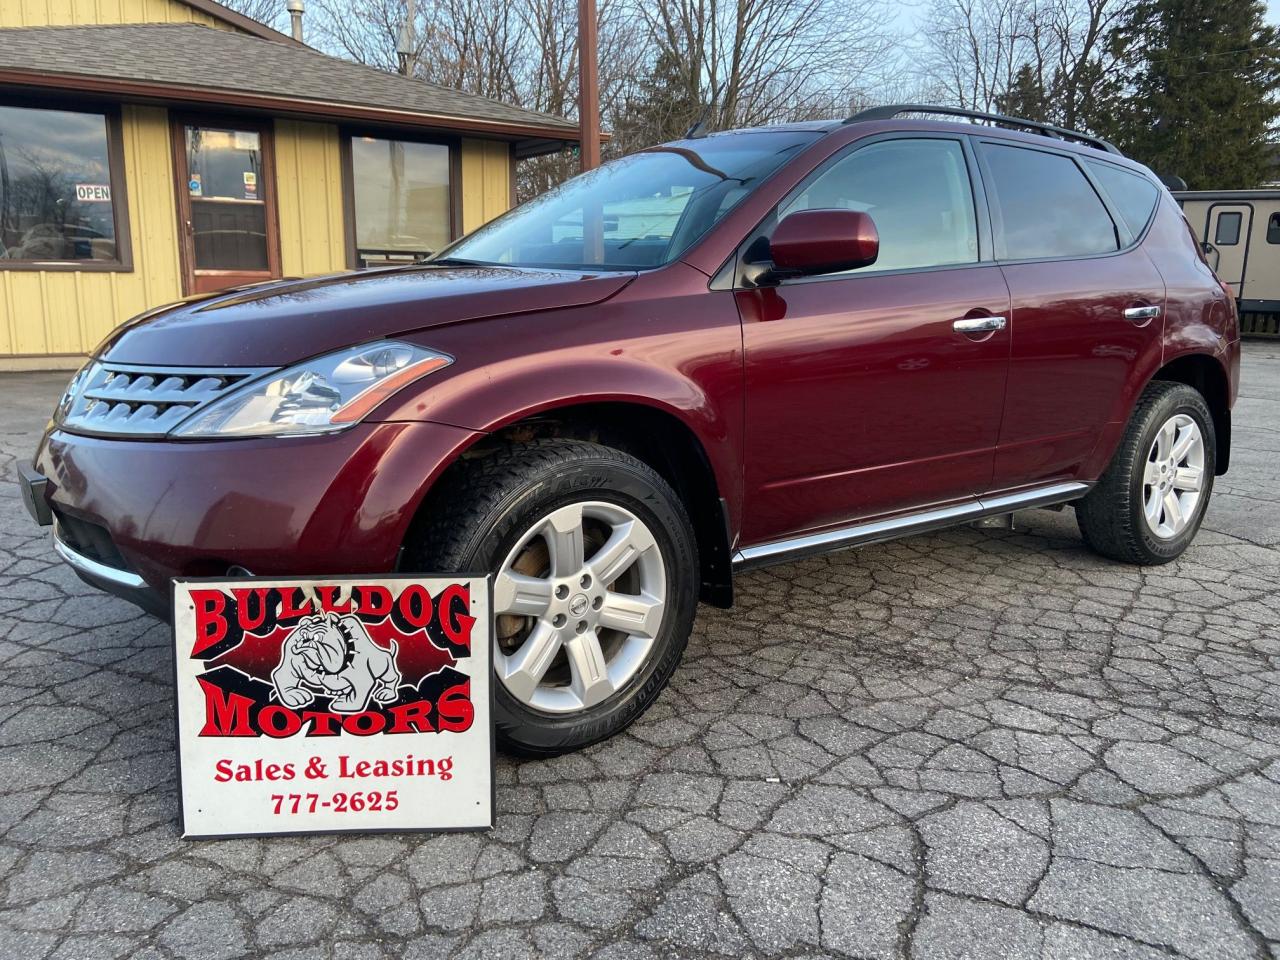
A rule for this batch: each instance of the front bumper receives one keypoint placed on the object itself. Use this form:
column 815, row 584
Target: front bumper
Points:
column 129, row 515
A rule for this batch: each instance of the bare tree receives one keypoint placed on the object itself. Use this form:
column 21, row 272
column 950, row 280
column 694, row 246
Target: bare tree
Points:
column 1041, row 59
column 269, row 12
column 739, row 62
column 759, row 61
column 976, row 48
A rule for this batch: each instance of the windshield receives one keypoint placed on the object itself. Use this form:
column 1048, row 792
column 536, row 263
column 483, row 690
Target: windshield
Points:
column 639, row 212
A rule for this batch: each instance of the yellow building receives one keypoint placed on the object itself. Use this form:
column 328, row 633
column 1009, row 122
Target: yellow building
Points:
column 154, row 149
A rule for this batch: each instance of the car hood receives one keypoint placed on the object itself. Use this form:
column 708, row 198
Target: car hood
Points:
column 286, row 321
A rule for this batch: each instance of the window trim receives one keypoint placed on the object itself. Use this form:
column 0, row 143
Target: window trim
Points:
column 1111, row 213
column 347, row 161
column 977, row 192
column 123, row 261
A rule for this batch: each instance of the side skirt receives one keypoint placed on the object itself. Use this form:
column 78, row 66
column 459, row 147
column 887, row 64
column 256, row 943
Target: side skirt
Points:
column 877, row 531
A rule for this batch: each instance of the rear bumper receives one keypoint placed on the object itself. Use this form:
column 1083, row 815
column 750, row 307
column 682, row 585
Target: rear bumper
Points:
column 130, row 515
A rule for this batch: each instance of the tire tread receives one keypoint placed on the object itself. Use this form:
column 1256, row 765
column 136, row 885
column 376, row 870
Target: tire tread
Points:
column 1107, row 515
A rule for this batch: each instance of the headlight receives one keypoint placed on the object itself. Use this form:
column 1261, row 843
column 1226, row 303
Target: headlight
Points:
column 73, row 390
column 322, row 395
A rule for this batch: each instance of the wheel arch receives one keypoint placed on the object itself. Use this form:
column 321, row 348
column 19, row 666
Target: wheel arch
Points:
column 1206, row 375
column 655, row 434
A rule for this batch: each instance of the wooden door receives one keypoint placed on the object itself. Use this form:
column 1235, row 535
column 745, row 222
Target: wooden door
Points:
column 227, row 218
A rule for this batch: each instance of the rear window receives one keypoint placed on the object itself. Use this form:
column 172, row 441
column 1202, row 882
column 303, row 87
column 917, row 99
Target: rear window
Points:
column 1133, row 195
column 1045, row 206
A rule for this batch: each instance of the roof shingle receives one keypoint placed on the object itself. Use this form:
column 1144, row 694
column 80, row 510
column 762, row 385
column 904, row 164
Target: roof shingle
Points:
column 193, row 57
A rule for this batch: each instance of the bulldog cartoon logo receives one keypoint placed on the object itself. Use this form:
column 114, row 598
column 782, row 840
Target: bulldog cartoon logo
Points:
column 334, row 656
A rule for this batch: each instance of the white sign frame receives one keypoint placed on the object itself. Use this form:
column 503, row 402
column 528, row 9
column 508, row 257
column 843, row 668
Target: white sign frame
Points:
column 257, row 774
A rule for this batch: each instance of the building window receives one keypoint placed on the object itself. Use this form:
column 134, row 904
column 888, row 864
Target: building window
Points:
column 61, row 197
column 1228, row 233
column 402, row 199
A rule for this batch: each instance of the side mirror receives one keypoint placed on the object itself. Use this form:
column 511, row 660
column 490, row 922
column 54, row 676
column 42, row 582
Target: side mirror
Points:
column 1212, row 254
column 810, row 242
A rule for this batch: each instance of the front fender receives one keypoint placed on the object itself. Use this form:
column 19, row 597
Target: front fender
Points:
column 678, row 352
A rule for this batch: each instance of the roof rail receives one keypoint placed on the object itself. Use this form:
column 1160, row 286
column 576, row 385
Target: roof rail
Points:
column 1048, row 129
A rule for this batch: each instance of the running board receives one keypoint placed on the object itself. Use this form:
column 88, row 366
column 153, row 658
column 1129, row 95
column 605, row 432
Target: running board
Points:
column 795, row 548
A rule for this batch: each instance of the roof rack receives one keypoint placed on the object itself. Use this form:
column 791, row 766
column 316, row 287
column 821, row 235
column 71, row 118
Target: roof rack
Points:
column 1048, row 129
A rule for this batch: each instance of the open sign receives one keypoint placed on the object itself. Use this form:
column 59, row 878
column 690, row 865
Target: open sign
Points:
column 93, row 193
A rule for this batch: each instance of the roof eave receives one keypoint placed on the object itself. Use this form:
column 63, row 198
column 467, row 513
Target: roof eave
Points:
column 150, row 91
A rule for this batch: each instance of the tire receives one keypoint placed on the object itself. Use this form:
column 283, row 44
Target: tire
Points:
column 1113, row 516
column 501, row 512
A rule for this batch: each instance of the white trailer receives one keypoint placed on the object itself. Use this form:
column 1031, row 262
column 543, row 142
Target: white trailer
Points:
column 1241, row 233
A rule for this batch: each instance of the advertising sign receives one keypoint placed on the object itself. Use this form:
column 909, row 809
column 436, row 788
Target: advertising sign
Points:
column 333, row 705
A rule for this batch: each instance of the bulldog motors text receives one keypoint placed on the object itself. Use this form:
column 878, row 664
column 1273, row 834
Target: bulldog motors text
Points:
column 222, row 619
column 321, row 672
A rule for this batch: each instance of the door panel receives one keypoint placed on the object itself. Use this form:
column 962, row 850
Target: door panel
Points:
column 862, row 399
column 1074, row 354
column 226, row 205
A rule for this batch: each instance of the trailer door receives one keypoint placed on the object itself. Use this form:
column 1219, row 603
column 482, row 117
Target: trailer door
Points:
column 1228, row 228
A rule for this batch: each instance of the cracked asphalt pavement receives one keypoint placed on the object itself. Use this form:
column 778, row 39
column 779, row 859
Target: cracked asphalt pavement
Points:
column 979, row 743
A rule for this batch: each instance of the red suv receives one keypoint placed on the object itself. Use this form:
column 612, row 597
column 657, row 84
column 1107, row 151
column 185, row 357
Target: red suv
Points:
column 715, row 354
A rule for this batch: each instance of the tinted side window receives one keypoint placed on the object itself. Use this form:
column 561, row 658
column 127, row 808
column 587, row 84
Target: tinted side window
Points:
column 916, row 191
column 1046, row 206
column 1133, row 195
column 1273, row 228
column 1228, row 232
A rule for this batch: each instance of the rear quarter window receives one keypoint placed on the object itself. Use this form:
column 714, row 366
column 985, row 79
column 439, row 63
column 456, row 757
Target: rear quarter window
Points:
column 1045, row 206
column 1132, row 195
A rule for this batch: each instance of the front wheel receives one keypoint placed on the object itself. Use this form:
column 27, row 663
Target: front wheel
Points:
column 1148, row 506
column 595, row 573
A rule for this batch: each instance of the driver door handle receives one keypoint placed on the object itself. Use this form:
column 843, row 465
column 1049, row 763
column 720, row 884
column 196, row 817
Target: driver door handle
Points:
column 978, row 324
column 1141, row 313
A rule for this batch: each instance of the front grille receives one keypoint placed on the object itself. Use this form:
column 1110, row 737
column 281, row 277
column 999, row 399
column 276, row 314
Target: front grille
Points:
column 128, row 400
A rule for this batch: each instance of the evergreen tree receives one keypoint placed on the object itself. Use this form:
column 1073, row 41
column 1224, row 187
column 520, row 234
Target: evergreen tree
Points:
column 1196, row 91
column 665, row 105
column 1026, row 97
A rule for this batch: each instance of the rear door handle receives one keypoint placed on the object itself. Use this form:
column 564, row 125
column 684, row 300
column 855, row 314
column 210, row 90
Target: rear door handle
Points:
column 978, row 324
column 1141, row 313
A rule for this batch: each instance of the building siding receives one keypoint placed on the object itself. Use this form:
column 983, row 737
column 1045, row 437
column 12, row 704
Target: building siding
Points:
column 309, row 196
column 486, row 181
column 58, row 13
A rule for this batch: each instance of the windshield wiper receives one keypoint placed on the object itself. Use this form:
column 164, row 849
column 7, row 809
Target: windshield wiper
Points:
column 455, row 262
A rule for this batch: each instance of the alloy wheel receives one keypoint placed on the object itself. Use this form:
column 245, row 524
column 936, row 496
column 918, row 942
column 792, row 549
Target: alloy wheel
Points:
column 1173, row 478
column 579, row 601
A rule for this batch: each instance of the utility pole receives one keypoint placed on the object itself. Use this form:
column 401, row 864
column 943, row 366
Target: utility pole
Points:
column 404, row 46
column 588, row 87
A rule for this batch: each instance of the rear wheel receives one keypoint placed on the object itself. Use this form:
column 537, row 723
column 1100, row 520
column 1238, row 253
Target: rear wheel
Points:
column 1149, row 504
column 595, row 584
